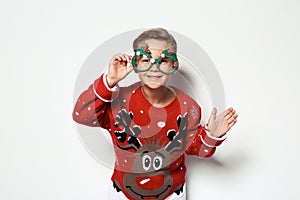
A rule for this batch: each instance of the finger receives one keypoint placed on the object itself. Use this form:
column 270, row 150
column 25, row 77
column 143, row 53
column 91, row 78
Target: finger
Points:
column 229, row 116
column 129, row 60
column 232, row 118
column 229, row 110
column 232, row 123
column 124, row 59
column 119, row 63
column 121, row 57
column 214, row 112
column 129, row 64
column 128, row 57
column 116, row 58
column 229, row 113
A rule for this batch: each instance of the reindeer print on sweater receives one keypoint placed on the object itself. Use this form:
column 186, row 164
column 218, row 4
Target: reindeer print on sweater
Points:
column 150, row 143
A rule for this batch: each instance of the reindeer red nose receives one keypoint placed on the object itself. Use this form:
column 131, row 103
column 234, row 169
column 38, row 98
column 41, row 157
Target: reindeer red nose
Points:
column 150, row 183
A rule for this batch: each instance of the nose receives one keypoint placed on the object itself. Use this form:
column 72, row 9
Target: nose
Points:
column 154, row 67
column 150, row 183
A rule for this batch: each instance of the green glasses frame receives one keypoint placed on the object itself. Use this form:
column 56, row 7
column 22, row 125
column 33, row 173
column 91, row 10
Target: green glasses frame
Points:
column 146, row 52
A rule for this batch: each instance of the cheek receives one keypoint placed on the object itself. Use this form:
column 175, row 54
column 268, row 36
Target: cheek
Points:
column 138, row 166
column 141, row 74
column 166, row 78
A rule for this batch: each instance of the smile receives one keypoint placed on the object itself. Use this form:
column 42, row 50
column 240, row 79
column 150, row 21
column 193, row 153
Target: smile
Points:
column 154, row 76
column 155, row 196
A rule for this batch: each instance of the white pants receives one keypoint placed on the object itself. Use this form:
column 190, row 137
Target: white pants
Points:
column 114, row 195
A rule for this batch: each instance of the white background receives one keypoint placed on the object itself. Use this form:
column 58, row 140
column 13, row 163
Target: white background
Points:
column 254, row 45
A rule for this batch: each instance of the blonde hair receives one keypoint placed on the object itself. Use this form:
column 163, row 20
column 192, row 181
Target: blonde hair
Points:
column 158, row 34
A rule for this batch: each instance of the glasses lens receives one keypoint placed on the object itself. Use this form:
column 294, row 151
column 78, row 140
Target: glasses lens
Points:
column 166, row 65
column 142, row 62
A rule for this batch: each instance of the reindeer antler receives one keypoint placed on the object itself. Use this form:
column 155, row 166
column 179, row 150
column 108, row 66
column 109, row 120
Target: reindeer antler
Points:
column 175, row 139
column 124, row 119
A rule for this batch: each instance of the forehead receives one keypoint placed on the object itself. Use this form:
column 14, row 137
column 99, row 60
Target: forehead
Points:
column 155, row 45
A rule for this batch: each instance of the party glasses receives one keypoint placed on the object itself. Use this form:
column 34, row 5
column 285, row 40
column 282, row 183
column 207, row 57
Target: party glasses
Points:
column 167, row 63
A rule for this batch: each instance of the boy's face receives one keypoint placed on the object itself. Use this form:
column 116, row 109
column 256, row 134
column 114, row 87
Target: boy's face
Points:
column 154, row 78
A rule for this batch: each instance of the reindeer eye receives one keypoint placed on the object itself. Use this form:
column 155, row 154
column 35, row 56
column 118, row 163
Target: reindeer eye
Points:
column 157, row 162
column 146, row 162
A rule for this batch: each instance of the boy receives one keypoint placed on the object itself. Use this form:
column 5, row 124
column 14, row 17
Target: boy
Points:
column 152, row 125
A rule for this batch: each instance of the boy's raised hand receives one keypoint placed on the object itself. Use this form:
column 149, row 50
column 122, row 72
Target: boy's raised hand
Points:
column 221, row 124
column 119, row 67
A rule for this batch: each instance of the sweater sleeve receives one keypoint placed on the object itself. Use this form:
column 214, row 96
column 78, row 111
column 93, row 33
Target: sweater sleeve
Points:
column 203, row 143
column 93, row 105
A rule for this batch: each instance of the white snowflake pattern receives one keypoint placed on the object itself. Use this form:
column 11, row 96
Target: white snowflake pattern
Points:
column 161, row 124
column 194, row 112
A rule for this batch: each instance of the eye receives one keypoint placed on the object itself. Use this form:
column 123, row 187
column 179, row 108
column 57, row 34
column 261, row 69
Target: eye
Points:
column 166, row 61
column 157, row 162
column 146, row 162
column 145, row 60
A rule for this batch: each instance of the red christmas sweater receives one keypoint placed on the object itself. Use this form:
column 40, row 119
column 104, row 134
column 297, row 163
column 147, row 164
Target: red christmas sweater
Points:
column 150, row 143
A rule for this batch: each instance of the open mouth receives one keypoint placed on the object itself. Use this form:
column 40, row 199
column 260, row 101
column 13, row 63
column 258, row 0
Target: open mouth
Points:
column 153, row 196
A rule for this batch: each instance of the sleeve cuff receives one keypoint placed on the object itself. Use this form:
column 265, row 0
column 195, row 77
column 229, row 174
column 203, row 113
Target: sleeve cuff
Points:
column 209, row 140
column 103, row 91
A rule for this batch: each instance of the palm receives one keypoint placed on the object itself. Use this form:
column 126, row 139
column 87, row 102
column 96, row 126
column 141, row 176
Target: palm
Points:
column 220, row 124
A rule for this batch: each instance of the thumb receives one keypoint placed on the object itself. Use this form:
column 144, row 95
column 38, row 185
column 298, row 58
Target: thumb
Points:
column 212, row 115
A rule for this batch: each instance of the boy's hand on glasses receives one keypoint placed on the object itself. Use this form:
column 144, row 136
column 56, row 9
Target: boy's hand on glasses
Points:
column 119, row 67
column 220, row 124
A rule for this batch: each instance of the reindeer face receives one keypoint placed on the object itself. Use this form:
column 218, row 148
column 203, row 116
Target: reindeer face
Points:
column 149, row 180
